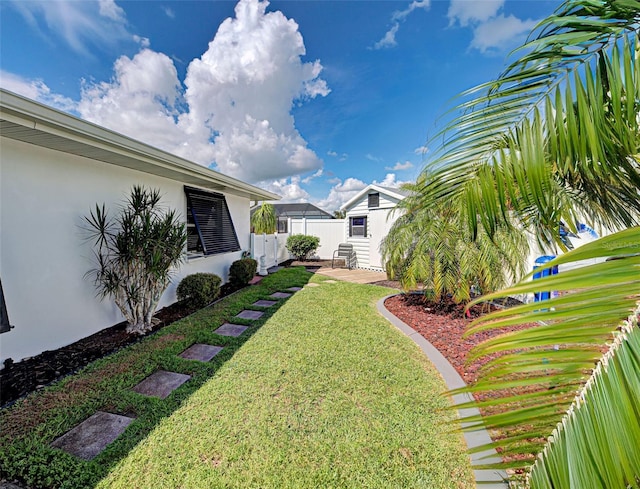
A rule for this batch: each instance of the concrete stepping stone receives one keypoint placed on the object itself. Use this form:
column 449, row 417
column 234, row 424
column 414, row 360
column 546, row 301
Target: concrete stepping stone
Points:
column 280, row 295
column 161, row 384
column 294, row 289
column 264, row 303
column 90, row 437
column 330, row 282
column 201, row 352
column 228, row 329
column 248, row 314
column 313, row 284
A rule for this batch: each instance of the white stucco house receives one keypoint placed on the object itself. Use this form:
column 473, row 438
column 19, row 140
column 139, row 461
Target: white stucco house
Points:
column 53, row 169
column 369, row 218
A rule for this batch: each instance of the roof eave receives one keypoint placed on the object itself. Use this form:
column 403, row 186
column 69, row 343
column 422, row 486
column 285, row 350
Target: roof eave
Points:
column 37, row 120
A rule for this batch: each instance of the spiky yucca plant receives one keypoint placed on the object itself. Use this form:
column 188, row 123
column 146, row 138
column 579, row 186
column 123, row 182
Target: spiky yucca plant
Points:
column 135, row 252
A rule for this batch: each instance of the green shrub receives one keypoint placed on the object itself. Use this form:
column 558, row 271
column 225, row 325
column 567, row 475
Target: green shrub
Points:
column 301, row 246
column 199, row 289
column 242, row 271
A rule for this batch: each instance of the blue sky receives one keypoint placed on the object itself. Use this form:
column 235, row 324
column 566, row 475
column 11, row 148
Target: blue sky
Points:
column 310, row 99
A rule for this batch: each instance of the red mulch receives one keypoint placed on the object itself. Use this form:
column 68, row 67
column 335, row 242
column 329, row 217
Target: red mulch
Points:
column 443, row 325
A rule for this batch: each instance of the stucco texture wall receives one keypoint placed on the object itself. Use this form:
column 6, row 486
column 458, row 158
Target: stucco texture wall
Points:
column 44, row 254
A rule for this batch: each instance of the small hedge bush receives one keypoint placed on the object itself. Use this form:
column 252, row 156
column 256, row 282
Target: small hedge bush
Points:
column 199, row 289
column 301, row 246
column 242, row 271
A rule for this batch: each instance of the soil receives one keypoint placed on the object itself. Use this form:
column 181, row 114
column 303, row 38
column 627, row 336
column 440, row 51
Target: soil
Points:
column 20, row 378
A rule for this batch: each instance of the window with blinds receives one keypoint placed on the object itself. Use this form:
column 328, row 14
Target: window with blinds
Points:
column 210, row 229
column 358, row 227
column 373, row 200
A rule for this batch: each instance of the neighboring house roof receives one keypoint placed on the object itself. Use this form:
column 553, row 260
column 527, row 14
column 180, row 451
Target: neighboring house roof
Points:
column 32, row 122
column 299, row 210
column 396, row 193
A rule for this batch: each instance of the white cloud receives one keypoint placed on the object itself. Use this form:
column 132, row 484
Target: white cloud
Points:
column 341, row 193
column 390, row 181
column 491, row 31
column 499, row 32
column 400, row 166
column 140, row 101
column 143, row 41
column 465, row 12
column 82, row 25
column 389, row 38
column 169, row 12
column 238, row 99
column 421, row 150
column 341, row 157
column 109, row 9
column 35, row 90
column 370, row 157
column 288, row 188
column 402, row 14
column 317, row 174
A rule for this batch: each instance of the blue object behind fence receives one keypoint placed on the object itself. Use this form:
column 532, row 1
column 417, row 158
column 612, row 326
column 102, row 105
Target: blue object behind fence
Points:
column 540, row 261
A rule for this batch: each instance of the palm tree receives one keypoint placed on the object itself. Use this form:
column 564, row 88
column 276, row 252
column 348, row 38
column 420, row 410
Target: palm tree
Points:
column 556, row 138
column 429, row 246
column 264, row 219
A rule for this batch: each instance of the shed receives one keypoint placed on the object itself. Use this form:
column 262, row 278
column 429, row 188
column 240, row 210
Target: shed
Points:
column 54, row 168
column 369, row 218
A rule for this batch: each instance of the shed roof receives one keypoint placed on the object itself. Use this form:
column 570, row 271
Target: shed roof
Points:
column 299, row 209
column 396, row 193
column 32, row 122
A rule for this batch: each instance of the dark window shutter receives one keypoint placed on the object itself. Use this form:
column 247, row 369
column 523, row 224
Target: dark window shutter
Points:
column 365, row 228
column 212, row 231
column 350, row 226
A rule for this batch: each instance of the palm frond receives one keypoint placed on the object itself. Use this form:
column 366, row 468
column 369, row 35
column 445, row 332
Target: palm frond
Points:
column 556, row 354
column 556, row 136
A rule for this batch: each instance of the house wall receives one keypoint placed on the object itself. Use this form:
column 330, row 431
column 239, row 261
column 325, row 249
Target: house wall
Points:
column 363, row 246
column 44, row 195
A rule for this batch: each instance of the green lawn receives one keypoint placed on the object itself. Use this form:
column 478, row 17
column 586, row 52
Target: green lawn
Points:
column 324, row 393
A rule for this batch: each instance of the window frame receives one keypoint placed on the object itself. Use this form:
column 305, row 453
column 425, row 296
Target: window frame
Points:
column 215, row 236
column 373, row 200
column 353, row 226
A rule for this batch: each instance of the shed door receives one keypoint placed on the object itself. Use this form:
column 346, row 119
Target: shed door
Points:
column 377, row 231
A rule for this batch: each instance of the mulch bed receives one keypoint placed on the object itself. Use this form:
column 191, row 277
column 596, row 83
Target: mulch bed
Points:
column 20, row 378
column 444, row 325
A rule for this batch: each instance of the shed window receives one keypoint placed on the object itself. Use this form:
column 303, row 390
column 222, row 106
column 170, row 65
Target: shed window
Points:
column 283, row 224
column 209, row 226
column 374, row 200
column 358, row 227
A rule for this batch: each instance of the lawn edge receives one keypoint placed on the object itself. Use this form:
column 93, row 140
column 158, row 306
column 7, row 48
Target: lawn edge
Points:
column 488, row 479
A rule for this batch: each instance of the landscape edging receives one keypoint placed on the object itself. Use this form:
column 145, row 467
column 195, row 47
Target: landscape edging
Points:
column 488, row 479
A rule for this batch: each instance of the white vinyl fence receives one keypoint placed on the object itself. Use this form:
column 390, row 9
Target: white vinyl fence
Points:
column 270, row 249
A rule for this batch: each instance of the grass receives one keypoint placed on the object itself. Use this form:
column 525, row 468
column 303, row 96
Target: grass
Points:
column 322, row 392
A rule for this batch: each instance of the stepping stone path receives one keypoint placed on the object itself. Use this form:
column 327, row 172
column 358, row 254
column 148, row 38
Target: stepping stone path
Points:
column 228, row 329
column 161, row 384
column 248, row 314
column 280, row 295
column 313, row 284
column 201, row 352
column 90, row 437
column 330, row 282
